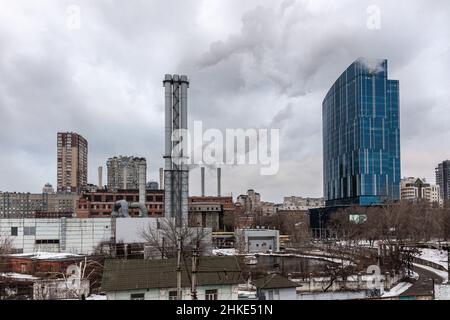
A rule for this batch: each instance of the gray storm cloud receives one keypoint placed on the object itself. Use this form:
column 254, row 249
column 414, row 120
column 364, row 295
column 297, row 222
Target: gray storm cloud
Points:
column 256, row 64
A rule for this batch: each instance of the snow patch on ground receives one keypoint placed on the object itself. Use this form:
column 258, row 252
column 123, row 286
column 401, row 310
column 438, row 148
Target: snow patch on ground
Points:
column 397, row 290
column 224, row 252
column 434, row 255
column 96, row 297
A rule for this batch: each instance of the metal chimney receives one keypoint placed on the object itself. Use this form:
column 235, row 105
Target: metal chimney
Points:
column 203, row 181
column 142, row 181
column 161, row 178
column 219, row 173
column 176, row 174
column 100, row 177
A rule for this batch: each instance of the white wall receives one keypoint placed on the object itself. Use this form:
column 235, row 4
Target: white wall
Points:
column 74, row 235
column 281, row 294
column 128, row 229
column 225, row 292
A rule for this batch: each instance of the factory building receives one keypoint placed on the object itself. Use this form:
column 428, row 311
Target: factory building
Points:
column 257, row 240
column 101, row 203
column 73, row 235
column 123, row 172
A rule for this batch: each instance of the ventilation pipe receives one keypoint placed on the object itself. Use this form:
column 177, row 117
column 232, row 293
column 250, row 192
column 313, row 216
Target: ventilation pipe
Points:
column 100, row 177
column 203, row 181
column 161, row 179
column 125, row 178
column 219, row 173
column 142, row 194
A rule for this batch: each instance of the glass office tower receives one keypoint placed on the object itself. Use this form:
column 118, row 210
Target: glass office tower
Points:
column 361, row 137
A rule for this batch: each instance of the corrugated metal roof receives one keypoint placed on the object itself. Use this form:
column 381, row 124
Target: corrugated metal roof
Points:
column 274, row 281
column 121, row 275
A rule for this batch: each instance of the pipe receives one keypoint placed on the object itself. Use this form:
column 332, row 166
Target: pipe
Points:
column 168, row 117
column 203, row 181
column 125, row 177
column 121, row 205
column 161, row 178
column 142, row 180
column 183, row 108
column 219, row 173
column 100, row 177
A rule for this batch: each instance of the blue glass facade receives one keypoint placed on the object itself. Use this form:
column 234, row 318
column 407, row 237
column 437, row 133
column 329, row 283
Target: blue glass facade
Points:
column 361, row 136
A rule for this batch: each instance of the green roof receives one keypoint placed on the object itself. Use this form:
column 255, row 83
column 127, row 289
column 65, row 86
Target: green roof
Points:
column 123, row 275
column 274, row 281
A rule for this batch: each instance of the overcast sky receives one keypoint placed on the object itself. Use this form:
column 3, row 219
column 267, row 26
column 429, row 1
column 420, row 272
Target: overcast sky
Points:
column 252, row 64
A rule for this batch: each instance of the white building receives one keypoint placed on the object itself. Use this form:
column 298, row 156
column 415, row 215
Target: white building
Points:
column 257, row 240
column 414, row 189
column 301, row 203
column 74, row 235
column 275, row 287
column 218, row 278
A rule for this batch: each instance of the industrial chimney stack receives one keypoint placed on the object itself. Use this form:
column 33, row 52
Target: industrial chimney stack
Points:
column 176, row 175
column 219, row 173
column 100, row 177
column 161, row 179
column 203, row 181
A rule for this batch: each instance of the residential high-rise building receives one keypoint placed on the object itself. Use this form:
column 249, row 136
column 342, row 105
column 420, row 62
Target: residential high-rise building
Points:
column 72, row 162
column 123, row 172
column 414, row 189
column 443, row 180
column 48, row 188
column 361, row 136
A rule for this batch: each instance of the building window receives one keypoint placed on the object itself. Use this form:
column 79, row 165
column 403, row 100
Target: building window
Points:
column 211, row 294
column 14, row 231
column 137, row 296
column 173, row 295
column 29, row 231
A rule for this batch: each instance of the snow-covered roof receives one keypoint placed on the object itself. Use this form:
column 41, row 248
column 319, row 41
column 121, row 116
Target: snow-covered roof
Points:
column 18, row 276
column 46, row 255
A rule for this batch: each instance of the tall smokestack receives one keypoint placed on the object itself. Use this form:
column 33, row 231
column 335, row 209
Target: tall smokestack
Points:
column 161, row 178
column 219, row 173
column 176, row 174
column 125, row 178
column 100, row 177
column 203, row 181
column 142, row 181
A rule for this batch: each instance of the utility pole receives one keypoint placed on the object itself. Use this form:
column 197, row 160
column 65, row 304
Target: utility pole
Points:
column 179, row 293
column 194, row 272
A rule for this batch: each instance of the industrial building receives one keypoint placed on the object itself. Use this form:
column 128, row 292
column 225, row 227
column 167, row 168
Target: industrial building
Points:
column 257, row 240
column 102, row 202
column 123, row 172
column 72, row 162
column 73, row 235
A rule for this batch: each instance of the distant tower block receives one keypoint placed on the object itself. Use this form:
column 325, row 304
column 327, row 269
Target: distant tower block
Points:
column 176, row 175
column 100, row 177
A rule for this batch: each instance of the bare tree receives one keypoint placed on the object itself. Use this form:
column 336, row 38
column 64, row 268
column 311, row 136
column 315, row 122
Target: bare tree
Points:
column 164, row 237
column 6, row 246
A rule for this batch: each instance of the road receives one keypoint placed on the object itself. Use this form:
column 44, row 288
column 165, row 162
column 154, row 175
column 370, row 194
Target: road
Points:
column 424, row 285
